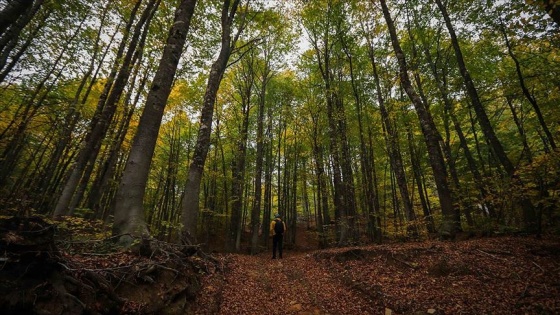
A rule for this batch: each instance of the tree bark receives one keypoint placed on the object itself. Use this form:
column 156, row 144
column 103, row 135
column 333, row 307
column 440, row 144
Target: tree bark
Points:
column 429, row 130
column 391, row 140
column 525, row 90
column 484, row 122
column 256, row 206
column 129, row 210
column 190, row 202
column 105, row 111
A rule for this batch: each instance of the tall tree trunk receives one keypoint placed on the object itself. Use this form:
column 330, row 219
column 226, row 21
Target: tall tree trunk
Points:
column 442, row 85
column 375, row 217
column 12, row 12
column 245, row 84
column 321, row 179
column 428, row 129
column 417, row 172
column 110, row 132
column 268, row 169
column 10, row 28
column 347, row 172
column 129, row 210
column 101, row 186
column 72, row 116
column 484, row 122
column 190, row 202
column 391, row 139
column 445, row 146
column 365, row 162
column 324, row 61
column 104, row 114
column 526, row 93
column 256, row 206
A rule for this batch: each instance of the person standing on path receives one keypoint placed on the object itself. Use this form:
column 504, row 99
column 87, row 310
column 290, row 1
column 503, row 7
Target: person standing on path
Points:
column 277, row 229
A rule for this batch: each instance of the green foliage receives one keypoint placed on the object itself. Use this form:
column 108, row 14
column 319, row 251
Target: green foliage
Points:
column 285, row 47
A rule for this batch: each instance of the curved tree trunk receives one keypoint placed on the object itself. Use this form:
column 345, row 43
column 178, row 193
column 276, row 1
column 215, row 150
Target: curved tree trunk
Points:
column 527, row 94
column 190, row 202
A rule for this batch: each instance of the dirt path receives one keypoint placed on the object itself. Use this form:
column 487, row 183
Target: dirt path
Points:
column 297, row 284
column 485, row 276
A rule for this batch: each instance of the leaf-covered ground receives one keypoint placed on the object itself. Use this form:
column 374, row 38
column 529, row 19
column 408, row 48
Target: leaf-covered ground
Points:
column 505, row 275
column 46, row 269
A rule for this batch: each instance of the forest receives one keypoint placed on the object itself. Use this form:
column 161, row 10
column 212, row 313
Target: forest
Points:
column 192, row 123
column 363, row 119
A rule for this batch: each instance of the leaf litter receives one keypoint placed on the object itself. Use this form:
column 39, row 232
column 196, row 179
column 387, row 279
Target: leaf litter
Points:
column 503, row 275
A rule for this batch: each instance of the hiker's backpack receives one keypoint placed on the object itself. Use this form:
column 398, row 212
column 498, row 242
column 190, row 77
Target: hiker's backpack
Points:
column 279, row 228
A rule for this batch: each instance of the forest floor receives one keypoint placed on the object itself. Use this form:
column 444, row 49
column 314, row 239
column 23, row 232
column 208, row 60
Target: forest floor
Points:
column 46, row 271
column 502, row 275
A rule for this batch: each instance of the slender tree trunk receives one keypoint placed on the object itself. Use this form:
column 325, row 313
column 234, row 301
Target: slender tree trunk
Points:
column 375, row 217
column 366, row 165
column 323, row 57
column 6, row 67
column 416, row 170
column 256, row 207
column 100, row 121
column 245, row 82
column 322, row 190
column 484, row 122
column 441, row 80
column 391, row 138
column 190, row 202
column 526, row 149
column 12, row 26
column 526, row 93
column 129, row 211
column 104, row 113
column 346, row 171
column 117, row 125
column 429, row 130
column 268, row 168
column 12, row 12
column 10, row 156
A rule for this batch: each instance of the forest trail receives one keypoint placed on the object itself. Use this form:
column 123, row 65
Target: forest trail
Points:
column 296, row 284
column 492, row 275
column 506, row 275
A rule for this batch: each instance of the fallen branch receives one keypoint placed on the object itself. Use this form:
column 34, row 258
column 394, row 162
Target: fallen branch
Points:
column 486, row 253
column 534, row 263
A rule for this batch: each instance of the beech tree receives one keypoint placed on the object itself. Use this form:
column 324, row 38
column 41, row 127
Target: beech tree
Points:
column 381, row 119
column 129, row 210
column 105, row 111
column 190, row 203
column 431, row 135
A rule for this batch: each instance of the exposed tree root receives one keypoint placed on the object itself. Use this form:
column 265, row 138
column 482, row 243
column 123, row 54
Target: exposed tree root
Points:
column 41, row 279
